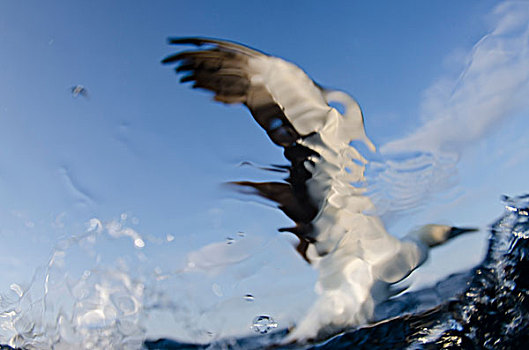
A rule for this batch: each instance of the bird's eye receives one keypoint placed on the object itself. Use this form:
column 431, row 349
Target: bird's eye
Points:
column 275, row 123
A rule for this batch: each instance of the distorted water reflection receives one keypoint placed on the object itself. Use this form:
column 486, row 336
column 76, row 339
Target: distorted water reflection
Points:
column 129, row 141
column 486, row 307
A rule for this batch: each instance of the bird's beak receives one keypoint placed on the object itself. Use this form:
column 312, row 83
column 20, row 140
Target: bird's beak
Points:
column 456, row 231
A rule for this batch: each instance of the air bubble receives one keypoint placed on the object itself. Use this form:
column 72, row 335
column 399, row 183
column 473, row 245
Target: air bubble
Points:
column 263, row 324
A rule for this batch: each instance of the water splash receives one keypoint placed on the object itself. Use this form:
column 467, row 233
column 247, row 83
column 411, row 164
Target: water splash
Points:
column 91, row 298
column 84, row 298
column 490, row 312
column 486, row 307
column 106, row 302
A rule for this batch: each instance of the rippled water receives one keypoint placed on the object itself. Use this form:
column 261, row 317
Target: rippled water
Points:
column 107, row 306
column 126, row 140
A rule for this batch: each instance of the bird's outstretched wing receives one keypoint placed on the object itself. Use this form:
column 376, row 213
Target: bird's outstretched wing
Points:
column 324, row 192
column 285, row 102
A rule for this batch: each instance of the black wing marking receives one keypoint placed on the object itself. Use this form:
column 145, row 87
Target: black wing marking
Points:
column 223, row 68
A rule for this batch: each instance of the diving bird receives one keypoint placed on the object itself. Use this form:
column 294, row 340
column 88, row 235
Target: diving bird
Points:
column 356, row 258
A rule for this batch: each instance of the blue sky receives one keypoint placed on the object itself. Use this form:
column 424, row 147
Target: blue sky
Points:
column 143, row 145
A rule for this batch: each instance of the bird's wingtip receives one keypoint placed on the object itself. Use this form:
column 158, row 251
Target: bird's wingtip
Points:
column 177, row 40
column 193, row 40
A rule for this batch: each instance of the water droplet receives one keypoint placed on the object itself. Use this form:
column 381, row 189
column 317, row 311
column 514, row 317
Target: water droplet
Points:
column 263, row 324
column 138, row 242
column 241, row 234
column 79, row 90
column 249, row 297
column 229, row 240
column 169, row 237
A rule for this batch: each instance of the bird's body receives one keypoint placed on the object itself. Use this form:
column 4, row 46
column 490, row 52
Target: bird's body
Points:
column 357, row 259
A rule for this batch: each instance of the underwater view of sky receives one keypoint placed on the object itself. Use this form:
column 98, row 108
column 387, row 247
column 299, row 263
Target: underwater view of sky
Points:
column 443, row 78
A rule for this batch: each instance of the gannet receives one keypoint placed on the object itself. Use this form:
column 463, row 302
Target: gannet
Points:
column 356, row 258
